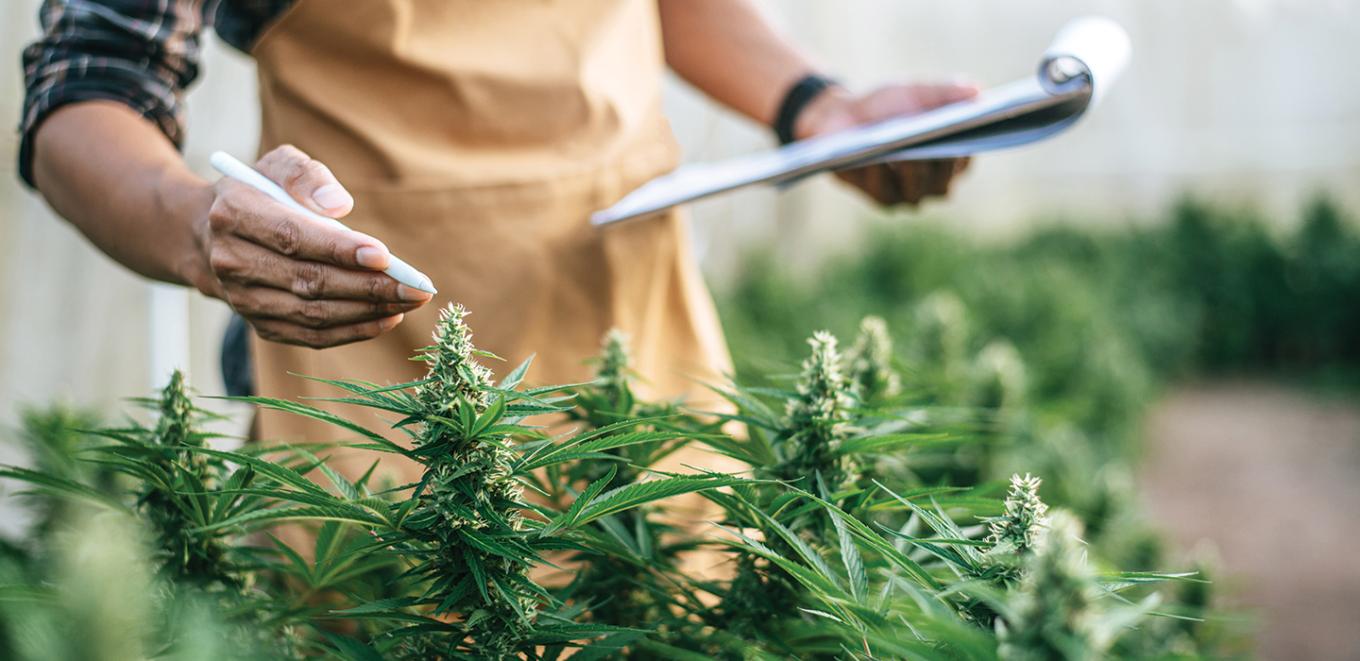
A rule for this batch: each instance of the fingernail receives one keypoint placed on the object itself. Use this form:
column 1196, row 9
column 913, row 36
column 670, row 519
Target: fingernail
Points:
column 391, row 322
column 332, row 196
column 370, row 257
column 411, row 294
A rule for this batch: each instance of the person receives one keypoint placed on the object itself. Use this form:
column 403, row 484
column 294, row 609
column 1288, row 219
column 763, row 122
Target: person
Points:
column 472, row 138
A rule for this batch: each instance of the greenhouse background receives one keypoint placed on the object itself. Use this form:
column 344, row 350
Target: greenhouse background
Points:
column 1249, row 105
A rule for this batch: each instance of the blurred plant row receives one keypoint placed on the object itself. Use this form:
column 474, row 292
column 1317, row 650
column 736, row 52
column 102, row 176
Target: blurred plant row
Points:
column 872, row 522
column 1067, row 334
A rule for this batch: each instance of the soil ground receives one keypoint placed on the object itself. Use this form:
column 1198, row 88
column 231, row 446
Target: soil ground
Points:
column 1270, row 477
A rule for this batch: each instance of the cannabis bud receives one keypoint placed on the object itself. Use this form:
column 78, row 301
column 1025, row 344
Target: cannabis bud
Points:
column 455, row 376
column 1055, row 611
column 472, row 493
column 614, row 358
column 869, row 362
column 939, row 340
column 174, row 425
column 998, row 376
column 186, row 554
column 817, row 418
column 1025, row 516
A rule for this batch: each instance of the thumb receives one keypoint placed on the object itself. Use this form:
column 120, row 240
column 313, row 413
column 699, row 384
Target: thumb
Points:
column 308, row 180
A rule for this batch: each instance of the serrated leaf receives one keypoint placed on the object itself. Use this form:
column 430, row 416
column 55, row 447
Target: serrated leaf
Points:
column 639, row 493
column 850, row 557
column 324, row 416
column 62, row 486
column 569, row 517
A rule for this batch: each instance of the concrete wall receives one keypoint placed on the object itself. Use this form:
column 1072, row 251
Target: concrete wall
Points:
column 1254, row 100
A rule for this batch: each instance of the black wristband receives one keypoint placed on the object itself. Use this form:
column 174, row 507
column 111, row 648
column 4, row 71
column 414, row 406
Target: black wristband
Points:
column 803, row 92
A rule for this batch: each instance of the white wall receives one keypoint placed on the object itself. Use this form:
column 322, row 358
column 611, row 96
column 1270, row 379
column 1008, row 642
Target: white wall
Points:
column 1254, row 100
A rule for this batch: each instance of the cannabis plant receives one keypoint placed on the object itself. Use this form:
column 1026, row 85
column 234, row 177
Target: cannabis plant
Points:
column 610, row 398
column 172, row 481
column 469, row 508
column 828, row 552
column 467, row 528
column 623, row 584
column 180, row 496
column 1054, row 615
column 998, row 378
column 813, row 506
column 52, row 439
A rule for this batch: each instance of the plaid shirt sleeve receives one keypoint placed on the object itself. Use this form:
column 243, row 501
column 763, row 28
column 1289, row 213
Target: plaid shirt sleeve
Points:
column 143, row 53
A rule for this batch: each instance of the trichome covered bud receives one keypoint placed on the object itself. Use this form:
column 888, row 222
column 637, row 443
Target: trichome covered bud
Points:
column 1054, row 613
column 869, row 362
column 818, row 418
column 1025, row 516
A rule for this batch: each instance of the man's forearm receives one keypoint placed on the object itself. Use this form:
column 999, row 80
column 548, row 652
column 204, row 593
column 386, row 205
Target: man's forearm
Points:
column 294, row 278
column 119, row 180
column 728, row 50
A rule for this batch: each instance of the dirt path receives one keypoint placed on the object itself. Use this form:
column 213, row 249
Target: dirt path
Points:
column 1271, row 477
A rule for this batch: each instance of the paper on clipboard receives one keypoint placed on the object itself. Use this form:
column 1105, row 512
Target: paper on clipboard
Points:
column 1085, row 58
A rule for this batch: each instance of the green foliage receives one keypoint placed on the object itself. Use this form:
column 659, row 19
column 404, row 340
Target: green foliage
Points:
column 1058, row 341
column 1051, row 613
column 837, row 547
column 124, row 556
column 52, row 440
column 1048, row 350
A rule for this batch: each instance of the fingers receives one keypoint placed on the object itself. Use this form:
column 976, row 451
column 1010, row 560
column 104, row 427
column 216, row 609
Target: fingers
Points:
column 243, row 263
column 296, row 278
column 939, row 177
column 911, row 178
column 307, row 180
column 943, row 94
column 905, row 182
column 921, row 180
column 898, row 100
column 290, row 333
column 241, row 211
column 868, row 181
column 263, row 303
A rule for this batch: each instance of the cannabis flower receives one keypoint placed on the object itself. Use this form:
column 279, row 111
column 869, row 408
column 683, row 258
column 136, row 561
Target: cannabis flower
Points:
column 869, row 362
column 455, row 376
column 1017, row 529
column 185, row 553
column 1054, row 614
column 471, row 509
column 998, row 378
column 818, row 419
column 614, row 359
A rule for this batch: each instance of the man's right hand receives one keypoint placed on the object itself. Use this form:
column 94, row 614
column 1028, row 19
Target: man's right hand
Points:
column 294, row 279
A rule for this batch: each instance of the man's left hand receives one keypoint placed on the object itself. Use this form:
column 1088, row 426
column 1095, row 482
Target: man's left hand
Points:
column 905, row 182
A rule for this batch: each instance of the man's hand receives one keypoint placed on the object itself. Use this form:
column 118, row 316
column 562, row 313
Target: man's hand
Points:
column 294, row 279
column 907, row 182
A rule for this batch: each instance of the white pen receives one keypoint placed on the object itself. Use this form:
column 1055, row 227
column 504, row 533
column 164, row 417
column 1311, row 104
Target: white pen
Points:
column 230, row 167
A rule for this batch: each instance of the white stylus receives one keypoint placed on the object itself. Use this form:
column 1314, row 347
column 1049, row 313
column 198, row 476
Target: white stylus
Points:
column 230, row 167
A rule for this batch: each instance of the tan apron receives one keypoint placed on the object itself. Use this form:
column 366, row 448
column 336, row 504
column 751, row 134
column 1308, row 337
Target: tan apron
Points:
column 476, row 137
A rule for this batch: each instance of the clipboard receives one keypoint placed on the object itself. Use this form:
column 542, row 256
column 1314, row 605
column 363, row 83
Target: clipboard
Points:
column 1074, row 73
